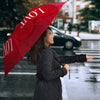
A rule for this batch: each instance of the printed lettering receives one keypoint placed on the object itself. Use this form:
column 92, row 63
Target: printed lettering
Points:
column 31, row 15
column 7, row 47
column 11, row 44
column 23, row 23
column 41, row 10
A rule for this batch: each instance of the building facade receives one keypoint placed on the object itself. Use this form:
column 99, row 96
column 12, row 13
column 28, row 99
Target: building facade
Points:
column 71, row 9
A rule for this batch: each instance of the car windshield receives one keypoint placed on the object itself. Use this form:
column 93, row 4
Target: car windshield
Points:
column 55, row 31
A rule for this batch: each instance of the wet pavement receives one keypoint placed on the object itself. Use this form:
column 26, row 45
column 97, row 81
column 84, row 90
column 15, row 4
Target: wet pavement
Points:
column 84, row 82
column 85, row 77
column 85, row 35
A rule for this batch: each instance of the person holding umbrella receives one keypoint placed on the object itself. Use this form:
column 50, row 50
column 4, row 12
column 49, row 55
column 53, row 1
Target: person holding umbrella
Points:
column 33, row 33
column 50, row 67
column 27, row 32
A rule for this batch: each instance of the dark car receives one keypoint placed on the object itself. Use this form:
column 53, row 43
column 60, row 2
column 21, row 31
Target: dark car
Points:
column 4, row 34
column 67, row 41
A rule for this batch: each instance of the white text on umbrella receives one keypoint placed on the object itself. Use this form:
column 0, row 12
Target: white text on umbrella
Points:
column 31, row 15
column 7, row 47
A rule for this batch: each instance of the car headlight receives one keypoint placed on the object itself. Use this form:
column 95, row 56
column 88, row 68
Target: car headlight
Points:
column 77, row 38
column 8, row 34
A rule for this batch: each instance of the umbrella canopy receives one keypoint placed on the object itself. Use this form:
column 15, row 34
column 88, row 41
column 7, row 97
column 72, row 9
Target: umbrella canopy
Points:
column 27, row 32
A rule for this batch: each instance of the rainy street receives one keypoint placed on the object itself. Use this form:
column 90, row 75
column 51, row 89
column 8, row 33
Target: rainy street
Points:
column 72, row 27
column 84, row 82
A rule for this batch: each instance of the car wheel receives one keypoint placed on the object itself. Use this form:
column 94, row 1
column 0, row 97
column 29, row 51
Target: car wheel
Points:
column 68, row 44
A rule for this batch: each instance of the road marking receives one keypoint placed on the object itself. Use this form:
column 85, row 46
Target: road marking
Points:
column 1, row 57
column 23, row 58
column 87, row 51
column 94, row 61
column 92, row 64
column 89, row 54
column 81, row 49
column 98, row 78
column 18, row 73
column 96, row 71
column 1, row 49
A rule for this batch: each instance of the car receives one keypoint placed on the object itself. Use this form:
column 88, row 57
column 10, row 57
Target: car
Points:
column 60, row 39
column 4, row 34
column 67, row 41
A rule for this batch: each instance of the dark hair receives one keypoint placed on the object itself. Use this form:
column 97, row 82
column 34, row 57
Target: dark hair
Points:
column 36, row 49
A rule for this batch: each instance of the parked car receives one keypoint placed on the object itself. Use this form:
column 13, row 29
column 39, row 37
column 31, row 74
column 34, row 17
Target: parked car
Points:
column 67, row 41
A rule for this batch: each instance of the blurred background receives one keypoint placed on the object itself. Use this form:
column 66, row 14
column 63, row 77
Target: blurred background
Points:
column 78, row 24
column 83, row 12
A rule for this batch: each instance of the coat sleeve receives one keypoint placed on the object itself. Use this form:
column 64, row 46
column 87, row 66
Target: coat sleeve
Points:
column 70, row 59
column 45, row 62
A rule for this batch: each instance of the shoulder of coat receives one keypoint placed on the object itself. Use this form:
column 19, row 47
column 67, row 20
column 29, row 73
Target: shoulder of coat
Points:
column 46, row 50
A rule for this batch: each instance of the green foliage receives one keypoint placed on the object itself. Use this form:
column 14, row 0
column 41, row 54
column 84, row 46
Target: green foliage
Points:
column 89, row 13
column 96, row 6
column 96, row 3
column 92, row 13
column 13, row 11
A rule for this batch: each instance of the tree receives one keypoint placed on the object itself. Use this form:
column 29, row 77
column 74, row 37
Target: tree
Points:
column 10, row 13
column 13, row 11
column 95, row 4
column 29, row 4
column 91, row 13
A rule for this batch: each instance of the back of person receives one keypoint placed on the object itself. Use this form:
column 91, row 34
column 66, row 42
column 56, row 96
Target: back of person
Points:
column 70, row 28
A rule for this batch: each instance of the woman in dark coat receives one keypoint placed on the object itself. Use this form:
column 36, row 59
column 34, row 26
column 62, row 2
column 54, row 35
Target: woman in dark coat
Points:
column 50, row 67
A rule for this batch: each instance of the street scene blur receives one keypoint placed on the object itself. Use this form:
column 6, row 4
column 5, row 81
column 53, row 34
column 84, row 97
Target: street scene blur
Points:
column 76, row 30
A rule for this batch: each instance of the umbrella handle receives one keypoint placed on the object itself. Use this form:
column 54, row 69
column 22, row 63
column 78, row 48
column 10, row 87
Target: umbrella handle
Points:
column 69, row 71
column 69, row 75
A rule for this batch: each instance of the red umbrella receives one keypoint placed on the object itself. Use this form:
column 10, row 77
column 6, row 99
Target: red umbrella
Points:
column 27, row 33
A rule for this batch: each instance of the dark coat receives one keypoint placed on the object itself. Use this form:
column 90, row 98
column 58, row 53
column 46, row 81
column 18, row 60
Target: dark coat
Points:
column 70, row 27
column 49, row 71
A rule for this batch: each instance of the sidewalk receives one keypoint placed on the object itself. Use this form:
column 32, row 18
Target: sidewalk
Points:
column 85, row 35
